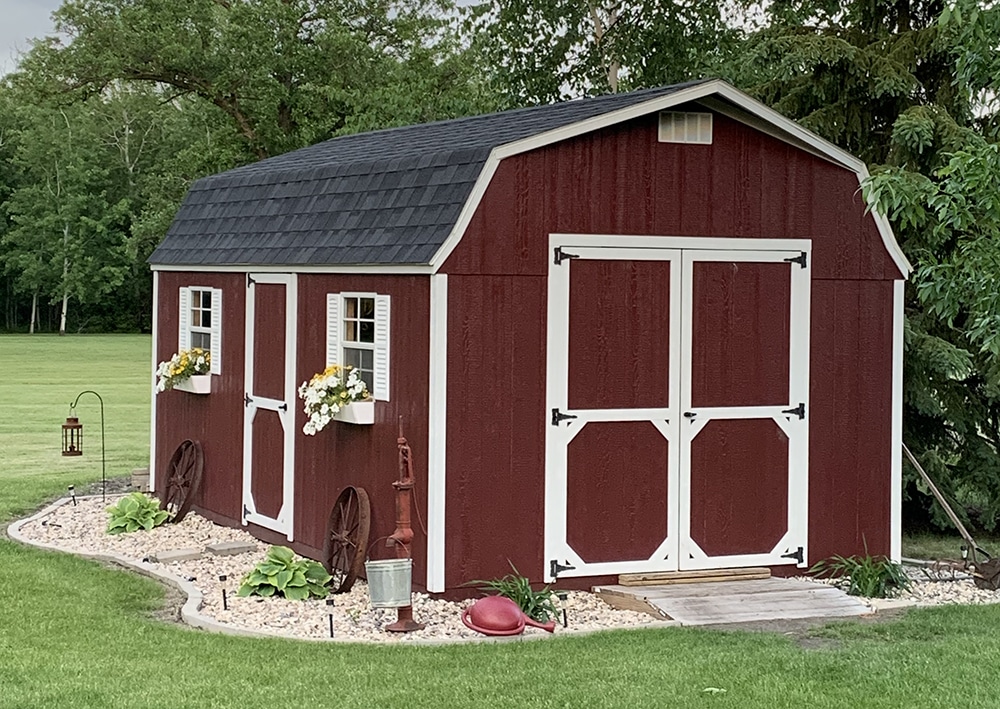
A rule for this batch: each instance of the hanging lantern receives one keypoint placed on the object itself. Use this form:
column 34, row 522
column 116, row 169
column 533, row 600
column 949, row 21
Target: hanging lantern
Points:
column 72, row 436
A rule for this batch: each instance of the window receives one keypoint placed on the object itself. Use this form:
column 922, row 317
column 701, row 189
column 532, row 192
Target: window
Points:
column 685, row 127
column 357, row 334
column 201, row 322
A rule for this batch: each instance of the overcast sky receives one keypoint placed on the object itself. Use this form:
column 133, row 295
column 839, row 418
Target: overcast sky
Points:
column 21, row 20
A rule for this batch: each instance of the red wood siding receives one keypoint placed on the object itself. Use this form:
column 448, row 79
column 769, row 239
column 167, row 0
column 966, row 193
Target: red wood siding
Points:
column 619, row 330
column 345, row 454
column 740, row 334
column 851, row 418
column 617, row 505
column 215, row 419
column 496, row 448
column 269, row 341
column 267, row 471
column 739, row 487
column 340, row 455
column 621, row 180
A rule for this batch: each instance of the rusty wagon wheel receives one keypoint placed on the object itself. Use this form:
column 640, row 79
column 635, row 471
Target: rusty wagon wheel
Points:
column 183, row 480
column 347, row 538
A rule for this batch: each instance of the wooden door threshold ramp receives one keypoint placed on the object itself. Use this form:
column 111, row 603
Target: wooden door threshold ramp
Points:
column 734, row 601
column 666, row 578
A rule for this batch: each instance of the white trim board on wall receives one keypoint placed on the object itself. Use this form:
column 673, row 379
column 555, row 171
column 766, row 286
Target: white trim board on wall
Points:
column 437, row 428
column 896, row 461
column 154, row 363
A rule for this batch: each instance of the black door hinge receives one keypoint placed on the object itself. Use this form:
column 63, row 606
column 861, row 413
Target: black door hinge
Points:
column 800, row 259
column 798, row 555
column 799, row 411
column 555, row 568
column 250, row 280
column 246, row 399
column 561, row 256
column 246, row 511
column 283, row 407
column 558, row 417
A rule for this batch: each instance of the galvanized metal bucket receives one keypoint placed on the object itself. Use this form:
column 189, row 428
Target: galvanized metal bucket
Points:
column 389, row 582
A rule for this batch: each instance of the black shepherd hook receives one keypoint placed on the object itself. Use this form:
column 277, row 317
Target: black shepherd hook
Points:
column 72, row 408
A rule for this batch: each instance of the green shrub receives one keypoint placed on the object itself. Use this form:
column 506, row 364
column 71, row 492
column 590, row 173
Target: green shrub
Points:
column 868, row 576
column 281, row 574
column 538, row 605
column 134, row 512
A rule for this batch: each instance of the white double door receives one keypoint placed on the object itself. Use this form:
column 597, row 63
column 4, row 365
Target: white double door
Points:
column 677, row 416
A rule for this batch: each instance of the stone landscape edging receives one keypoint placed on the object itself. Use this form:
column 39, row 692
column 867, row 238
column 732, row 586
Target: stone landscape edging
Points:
column 190, row 610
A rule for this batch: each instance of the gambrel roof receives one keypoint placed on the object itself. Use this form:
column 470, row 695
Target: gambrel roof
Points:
column 402, row 196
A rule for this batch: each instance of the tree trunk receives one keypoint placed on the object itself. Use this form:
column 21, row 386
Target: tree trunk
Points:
column 65, row 299
column 34, row 312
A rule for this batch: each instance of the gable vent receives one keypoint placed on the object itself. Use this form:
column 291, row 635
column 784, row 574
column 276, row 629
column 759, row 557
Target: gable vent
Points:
column 685, row 127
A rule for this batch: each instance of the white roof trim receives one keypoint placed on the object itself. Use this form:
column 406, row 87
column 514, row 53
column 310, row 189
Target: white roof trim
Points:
column 404, row 269
column 716, row 87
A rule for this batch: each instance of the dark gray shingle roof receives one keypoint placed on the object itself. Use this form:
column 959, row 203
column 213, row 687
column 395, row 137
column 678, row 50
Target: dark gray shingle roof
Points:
column 385, row 197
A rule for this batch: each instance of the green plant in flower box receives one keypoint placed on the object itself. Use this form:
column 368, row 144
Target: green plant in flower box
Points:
column 182, row 366
column 134, row 512
column 281, row 574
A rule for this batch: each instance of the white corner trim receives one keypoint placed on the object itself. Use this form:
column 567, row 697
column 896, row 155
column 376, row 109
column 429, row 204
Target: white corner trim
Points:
column 437, row 428
column 152, row 410
column 896, row 461
column 291, row 360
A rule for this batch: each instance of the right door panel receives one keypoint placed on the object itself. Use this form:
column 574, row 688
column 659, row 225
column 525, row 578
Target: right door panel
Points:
column 744, row 399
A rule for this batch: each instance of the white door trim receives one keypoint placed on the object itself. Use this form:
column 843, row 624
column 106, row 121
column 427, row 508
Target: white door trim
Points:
column 284, row 522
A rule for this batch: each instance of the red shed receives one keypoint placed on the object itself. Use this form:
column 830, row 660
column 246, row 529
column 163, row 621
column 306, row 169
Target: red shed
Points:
column 651, row 331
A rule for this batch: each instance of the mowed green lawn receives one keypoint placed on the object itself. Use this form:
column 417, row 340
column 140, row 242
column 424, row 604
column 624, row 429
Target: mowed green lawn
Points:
column 75, row 634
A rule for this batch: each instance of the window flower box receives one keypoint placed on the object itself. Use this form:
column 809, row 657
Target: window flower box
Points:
column 188, row 370
column 362, row 412
column 336, row 394
column 195, row 384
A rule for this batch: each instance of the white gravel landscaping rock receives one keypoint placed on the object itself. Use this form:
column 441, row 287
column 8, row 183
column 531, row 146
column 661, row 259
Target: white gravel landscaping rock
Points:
column 81, row 529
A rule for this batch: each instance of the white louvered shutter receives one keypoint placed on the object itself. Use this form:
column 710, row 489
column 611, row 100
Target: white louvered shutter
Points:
column 184, row 321
column 381, row 348
column 216, row 347
column 332, row 328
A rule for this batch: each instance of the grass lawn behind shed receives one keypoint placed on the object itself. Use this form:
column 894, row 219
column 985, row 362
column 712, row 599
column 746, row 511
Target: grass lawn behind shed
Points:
column 75, row 634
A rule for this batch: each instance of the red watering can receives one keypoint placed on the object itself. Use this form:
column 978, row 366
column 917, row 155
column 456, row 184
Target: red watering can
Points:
column 496, row 615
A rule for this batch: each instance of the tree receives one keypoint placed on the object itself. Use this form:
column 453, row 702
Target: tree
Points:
column 540, row 51
column 66, row 237
column 907, row 85
column 285, row 73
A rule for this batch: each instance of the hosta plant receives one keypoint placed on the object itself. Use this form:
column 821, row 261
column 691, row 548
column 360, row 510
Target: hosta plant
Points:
column 281, row 574
column 868, row 576
column 538, row 605
column 135, row 512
